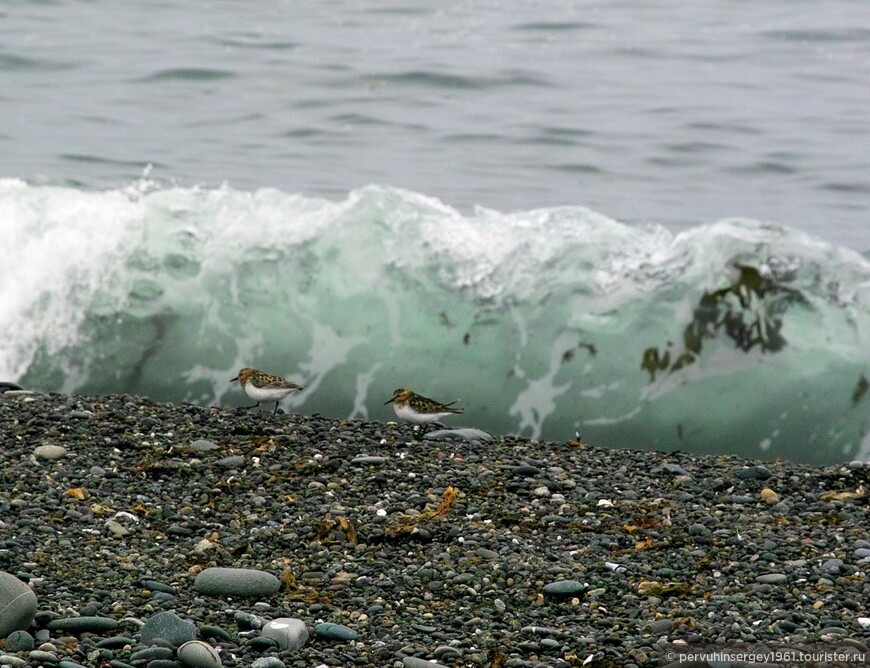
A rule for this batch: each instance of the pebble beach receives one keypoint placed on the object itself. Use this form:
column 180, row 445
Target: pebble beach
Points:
column 136, row 533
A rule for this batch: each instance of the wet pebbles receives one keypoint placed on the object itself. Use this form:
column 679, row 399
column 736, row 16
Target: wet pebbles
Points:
column 172, row 535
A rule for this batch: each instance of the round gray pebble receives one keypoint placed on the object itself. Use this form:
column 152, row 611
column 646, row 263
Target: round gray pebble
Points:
column 115, row 642
column 198, row 654
column 202, row 445
column 170, row 627
column 262, row 644
column 211, row 631
column 246, row 620
column 564, row 588
column 753, row 473
column 414, row 662
column 661, row 626
column 673, row 469
column 525, row 470
column 268, row 662
column 698, row 530
column 8, row 660
column 153, row 585
column 231, row 462
column 19, row 641
column 151, row 653
column 832, row 565
column 332, row 631
column 40, row 656
column 447, row 652
column 50, row 452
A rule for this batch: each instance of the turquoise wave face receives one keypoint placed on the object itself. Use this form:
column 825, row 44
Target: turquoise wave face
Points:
column 734, row 337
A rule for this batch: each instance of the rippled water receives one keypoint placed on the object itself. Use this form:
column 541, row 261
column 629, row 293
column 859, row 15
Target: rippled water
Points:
column 676, row 113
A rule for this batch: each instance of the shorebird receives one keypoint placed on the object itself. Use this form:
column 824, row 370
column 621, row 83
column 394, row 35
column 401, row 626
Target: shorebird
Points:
column 261, row 386
column 419, row 409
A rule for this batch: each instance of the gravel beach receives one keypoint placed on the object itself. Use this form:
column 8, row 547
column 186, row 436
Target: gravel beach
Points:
column 167, row 535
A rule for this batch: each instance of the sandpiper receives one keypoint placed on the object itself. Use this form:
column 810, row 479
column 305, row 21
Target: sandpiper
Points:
column 418, row 409
column 261, row 386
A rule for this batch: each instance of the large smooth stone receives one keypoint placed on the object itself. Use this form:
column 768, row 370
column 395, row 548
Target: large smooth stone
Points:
column 17, row 604
column 50, row 452
column 245, row 582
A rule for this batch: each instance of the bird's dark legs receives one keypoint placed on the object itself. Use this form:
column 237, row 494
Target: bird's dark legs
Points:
column 258, row 403
column 426, row 427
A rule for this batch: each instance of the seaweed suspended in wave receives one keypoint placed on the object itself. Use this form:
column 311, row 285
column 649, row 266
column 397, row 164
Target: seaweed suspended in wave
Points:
column 750, row 312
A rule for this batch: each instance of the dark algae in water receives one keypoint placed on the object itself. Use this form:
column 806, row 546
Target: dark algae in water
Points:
column 861, row 388
column 750, row 312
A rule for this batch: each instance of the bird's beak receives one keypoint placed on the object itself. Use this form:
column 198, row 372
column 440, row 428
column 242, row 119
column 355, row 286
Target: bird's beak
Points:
column 234, row 379
column 389, row 402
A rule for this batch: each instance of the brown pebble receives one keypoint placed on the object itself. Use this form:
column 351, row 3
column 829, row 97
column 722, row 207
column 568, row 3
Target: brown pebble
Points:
column 769, row 496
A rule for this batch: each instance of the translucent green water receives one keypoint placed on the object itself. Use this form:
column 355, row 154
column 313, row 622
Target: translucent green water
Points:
column 736, row 337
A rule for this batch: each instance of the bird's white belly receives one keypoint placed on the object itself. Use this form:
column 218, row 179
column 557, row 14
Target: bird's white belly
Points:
column 266, row 393
column 409, row 414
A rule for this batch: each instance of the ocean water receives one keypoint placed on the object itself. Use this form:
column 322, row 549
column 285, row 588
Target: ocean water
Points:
column 639, row 222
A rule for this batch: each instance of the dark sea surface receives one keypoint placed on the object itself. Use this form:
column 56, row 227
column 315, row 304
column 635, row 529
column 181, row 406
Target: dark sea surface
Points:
column 644, row 111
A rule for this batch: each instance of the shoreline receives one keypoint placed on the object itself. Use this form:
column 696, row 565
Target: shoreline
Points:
column 543, row 554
